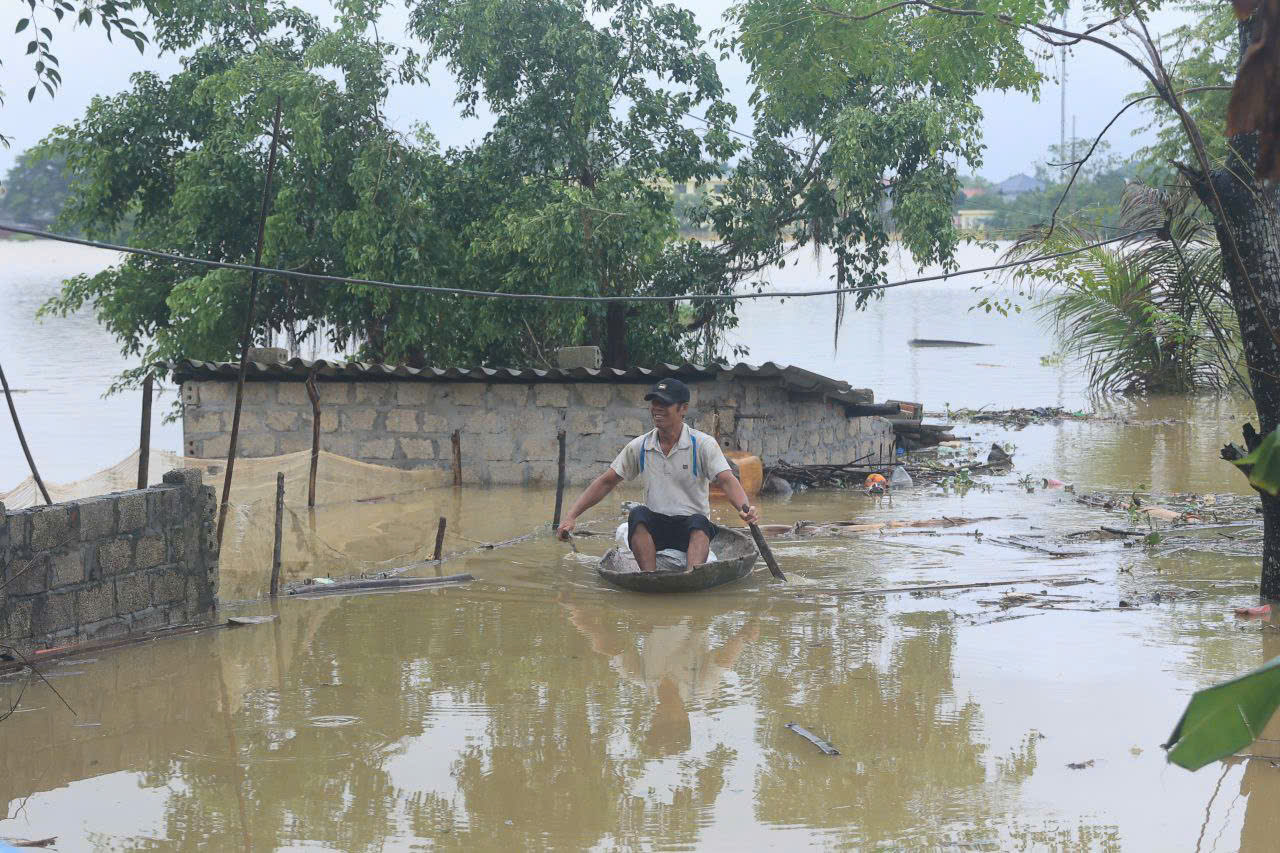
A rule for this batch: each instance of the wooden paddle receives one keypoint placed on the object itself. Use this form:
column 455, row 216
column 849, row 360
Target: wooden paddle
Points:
column 763, row 547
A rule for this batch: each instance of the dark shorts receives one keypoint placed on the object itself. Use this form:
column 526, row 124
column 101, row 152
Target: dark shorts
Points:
column 669, row 531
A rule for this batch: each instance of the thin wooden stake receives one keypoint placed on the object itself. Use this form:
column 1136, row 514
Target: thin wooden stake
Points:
column 144, row 438
column 314, row 393
column 275, row 553
column 22, row 439
column 457, row 457
column 555, row 519
column 439, row 540
column 247, row 338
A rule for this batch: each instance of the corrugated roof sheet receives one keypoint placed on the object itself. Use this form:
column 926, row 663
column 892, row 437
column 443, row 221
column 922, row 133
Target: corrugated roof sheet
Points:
column 297, row 370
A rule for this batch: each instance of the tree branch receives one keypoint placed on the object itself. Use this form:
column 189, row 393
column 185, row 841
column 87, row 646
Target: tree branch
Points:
column 1036, row 29
column 1079, row 164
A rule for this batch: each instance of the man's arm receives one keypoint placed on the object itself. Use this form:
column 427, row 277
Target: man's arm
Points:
column 591, row 496
column 737, row 496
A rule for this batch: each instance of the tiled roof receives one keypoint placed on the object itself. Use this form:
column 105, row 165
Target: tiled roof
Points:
column 297, row 370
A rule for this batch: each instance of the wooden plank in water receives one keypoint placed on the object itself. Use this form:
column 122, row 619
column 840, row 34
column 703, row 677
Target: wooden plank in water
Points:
column 377, row 584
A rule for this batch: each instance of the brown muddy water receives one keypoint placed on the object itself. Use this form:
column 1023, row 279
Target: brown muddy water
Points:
column 538, row 708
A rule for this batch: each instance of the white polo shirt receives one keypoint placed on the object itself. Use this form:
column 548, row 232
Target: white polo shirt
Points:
column 675, row 483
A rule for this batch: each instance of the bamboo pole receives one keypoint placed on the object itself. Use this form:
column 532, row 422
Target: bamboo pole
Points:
column 439, row 540
column 275, row 552
column 314, row 393
column 22, row 439
column 555, row 519
column 457, row 457
column 144, row 438
column 247, row 338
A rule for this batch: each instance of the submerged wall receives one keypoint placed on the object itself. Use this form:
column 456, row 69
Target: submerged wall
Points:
column 108, row 565
column 507, row 430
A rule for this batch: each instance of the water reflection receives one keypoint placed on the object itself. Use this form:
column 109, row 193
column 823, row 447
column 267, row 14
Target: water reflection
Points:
column 673, row 657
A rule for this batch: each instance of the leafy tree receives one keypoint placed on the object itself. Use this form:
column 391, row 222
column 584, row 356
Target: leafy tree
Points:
column 184, row 157
column 183, row 160
column 592, row 103
column 35, row 189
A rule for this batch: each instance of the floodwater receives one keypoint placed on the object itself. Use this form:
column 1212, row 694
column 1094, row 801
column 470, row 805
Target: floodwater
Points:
column 537, row 708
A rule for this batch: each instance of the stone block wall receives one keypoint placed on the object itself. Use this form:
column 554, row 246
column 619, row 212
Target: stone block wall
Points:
column 108, row 565
column 508, row 430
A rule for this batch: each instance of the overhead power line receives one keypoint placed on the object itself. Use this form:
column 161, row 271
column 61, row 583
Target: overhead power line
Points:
column 554, row 297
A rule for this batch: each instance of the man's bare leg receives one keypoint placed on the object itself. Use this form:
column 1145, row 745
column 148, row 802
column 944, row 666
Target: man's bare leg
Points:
column 646, row 553
column 699, row 548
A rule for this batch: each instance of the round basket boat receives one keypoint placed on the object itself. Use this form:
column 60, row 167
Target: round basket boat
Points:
column 735, row 558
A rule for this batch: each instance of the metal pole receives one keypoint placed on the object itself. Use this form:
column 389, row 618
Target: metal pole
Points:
column 247, row 337
column 555, row 520
column 144, row 439
column 457, row 457
column 22, row 439
column 275, row 553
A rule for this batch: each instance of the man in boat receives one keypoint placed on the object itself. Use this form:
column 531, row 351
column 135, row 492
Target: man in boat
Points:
column 678, row 464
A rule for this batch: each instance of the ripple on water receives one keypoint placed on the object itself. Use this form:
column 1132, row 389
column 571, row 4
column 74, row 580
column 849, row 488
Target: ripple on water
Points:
column 332, row 721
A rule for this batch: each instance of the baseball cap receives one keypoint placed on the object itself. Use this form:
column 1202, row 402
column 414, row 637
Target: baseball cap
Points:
column 669, row 391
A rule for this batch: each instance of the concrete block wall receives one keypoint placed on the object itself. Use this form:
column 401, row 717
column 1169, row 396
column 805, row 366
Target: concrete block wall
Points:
column 108, row 565
column 508, row 430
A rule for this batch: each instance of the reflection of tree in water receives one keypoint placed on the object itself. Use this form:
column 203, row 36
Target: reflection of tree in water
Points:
column 258, row 772
column 883, row 694
column 571, row 738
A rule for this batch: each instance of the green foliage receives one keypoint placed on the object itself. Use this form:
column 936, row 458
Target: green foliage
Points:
column 1225, row 718
column 1263, row 465
column 34, row 190
column 1151, row 314
column 184, row 158
column 591, row 103
column 41, row 16
column 532, row 209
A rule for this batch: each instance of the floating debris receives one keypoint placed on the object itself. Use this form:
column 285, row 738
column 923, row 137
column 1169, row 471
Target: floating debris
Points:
column 1019, row 418
column 377, row 585
column 240, row 621
column 821, row 744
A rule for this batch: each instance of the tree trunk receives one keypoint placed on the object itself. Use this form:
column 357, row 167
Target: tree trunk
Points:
column 615, row 335
column 1251, row 210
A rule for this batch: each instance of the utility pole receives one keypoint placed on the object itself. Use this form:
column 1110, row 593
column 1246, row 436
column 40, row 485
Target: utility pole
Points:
column 1062, row 108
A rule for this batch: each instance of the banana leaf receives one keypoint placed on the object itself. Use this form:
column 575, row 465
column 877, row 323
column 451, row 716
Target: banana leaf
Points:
column 1265, row 459
column 1225, row 718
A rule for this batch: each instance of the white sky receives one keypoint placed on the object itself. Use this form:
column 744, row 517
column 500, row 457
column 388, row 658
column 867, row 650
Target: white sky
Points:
column 1017, row 130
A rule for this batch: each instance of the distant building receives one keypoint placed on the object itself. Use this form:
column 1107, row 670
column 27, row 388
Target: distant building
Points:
column 711, row 186
column 973, row 192
column 1019, row 184
column 971, row 220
